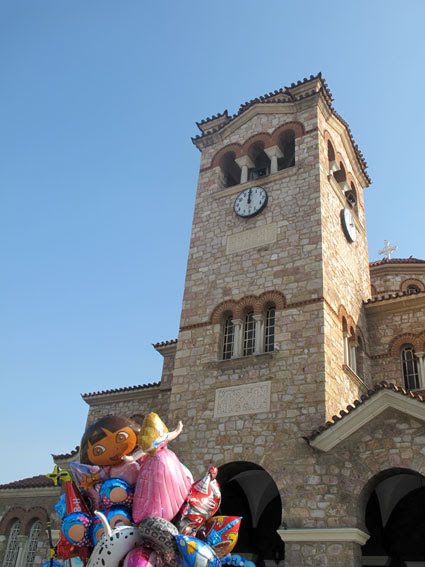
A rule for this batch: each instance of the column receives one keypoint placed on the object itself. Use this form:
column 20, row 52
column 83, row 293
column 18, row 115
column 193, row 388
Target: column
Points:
column 346, row 349
column 238, row 337
column 22, row 550
column 259, row 334
column 273, row 153
column 421, row 369
column 244, row 162
column 353, row 348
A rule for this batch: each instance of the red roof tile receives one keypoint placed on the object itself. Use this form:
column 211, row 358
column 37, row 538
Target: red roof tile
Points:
column 40, row 481
column 287, row 97
column 164, row 343
column 68, row 455
column 119, row 390
column 391, row 295
column 387, row 261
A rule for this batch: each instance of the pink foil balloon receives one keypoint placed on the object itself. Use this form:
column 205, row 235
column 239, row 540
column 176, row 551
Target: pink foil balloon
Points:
column 140, row 557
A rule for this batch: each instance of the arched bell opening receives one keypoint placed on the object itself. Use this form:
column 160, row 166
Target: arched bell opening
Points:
column 249, row 491
column 395, row 520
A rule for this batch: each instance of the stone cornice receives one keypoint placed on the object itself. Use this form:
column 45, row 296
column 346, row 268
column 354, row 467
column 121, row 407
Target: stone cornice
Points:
column 30, row 492
column 406, row 302
column 324, row 534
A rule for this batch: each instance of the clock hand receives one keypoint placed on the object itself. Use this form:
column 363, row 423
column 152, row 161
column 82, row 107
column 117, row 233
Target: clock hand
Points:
column 249, row 196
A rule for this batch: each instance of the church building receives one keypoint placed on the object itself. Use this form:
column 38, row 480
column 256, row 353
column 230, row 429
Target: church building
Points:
column 299, row 368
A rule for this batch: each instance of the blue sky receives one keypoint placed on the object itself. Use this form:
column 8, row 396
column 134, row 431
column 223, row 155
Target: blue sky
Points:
column 98, row 102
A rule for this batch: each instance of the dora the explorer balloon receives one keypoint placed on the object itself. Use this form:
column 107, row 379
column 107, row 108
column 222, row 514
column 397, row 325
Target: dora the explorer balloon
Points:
column 103, row 447
column 163, row 482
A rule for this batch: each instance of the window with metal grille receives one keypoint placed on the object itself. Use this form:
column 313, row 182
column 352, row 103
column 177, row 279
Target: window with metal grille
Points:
column 269, row 330
column 33, row 538
column 249, row 334
column 410, row 368
column 228, row 338
column 12, row 545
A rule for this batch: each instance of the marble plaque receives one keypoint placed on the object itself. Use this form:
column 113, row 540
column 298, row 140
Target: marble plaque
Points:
column 240, row 400
column 266, row 234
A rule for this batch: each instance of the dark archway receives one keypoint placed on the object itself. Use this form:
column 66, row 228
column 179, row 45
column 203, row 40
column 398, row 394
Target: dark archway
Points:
column 395, row 520
column 249, row 491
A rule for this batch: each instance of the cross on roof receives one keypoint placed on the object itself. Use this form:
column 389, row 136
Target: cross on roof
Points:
column 387, row 250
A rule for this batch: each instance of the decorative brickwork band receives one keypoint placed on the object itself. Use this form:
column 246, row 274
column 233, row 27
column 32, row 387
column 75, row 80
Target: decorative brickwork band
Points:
column 257, row 303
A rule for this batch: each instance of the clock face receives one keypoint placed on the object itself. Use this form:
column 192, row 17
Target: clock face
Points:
column 250, row 202
column 348, row 225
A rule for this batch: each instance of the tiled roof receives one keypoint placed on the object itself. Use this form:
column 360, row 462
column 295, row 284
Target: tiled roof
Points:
column 352, row 407
column 40, row 481
column 120, row 390
column 387, row 261
column 68, row 455
column 391, row 295
column 164, row 343
column 283, row 95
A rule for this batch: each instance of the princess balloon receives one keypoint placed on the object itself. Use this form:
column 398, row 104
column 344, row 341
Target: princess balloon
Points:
column 163, row 482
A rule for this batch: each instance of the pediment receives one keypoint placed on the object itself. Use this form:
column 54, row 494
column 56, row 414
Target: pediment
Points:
column 388, row 396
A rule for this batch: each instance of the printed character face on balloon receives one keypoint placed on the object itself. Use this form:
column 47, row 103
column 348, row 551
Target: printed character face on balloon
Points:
column 108, row 439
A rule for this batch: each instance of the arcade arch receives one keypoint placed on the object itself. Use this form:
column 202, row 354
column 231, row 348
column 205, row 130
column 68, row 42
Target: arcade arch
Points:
column 249, row 491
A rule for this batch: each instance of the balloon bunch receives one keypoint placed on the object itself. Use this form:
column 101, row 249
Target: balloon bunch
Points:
column 133, row 501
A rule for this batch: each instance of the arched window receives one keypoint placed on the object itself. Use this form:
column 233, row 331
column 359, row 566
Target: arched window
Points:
column 249, row 334
column 12, row 545
column 287, row 147
column 409, row 364
column 32, row 544
column 260, row 160
column 228, row 337
column 230, row 169
column 269, row 331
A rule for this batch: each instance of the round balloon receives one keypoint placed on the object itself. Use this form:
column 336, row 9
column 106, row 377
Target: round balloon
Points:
column 115, row 491
column 159, row 534
column 221, row 533
column 196, row 553
column 75, row 527
column 118, row 515
column 140, row 557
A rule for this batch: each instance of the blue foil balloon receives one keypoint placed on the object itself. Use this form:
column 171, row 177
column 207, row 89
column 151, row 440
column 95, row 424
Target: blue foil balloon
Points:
column 118, row 486
column 77, row 519
column 196, row 553
column 60, row 506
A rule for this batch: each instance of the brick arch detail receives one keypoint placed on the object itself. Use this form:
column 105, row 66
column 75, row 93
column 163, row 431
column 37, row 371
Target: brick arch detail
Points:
column 228, row 306
column 246, row 303
column 236, row 148
column 275, row 297
column 339, row 159
column 11, row 516
column 32, row 516
column 351, row 180
column 416, row 340
column 260, row 137
column 412, row 281
column 296, row 127
column 258, row 304
column 343, row 313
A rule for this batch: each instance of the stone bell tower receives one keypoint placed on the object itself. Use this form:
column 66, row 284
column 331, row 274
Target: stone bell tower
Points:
column 276, row 276
column 272, row 331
